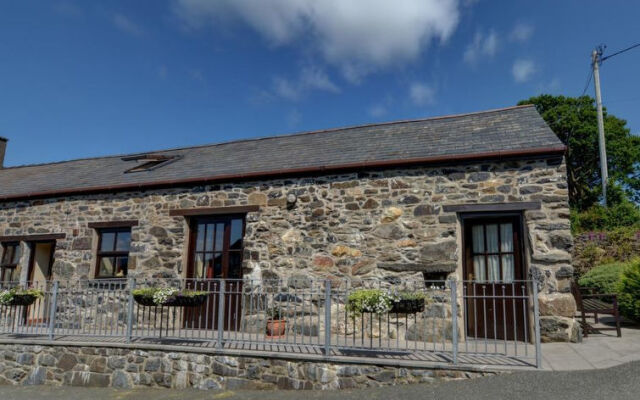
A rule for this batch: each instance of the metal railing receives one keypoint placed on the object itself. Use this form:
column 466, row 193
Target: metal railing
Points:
column 457, row 322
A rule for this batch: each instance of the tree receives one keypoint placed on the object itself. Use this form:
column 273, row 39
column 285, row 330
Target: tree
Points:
column 574, row 120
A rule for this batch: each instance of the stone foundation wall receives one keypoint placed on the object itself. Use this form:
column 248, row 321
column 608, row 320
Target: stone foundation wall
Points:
column 385, row 225
column 127, row 368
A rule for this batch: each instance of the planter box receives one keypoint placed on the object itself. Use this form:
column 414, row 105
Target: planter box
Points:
column 407, row 307
column 176, row 301
column 23, row 300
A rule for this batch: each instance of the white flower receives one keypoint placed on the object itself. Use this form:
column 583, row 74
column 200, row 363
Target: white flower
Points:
column 5, row 297
column 162, row 295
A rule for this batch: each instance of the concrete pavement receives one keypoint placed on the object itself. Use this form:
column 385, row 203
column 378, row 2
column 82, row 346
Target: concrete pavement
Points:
column 596, row 351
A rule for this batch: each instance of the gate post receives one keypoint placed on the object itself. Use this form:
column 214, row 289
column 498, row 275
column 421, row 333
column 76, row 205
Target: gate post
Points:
column 454, row 315
column 327, row 318
column 52, row 310
column 132, row 286
column 536, row 321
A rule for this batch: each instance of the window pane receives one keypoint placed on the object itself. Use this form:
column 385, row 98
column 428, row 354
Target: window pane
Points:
column 478, row 238
column 199, row 266
column 506, row 238
column 208, row 262
column 124, row 241
column 11, row 254
column 219, row 237
column 217, row 266
column 108, row 239
column 494, row 268
column 7, row 275
column 106, row 266
column 235, row 265
column 209, row 240
column 200, row 239
column 479, row 269
column 7, row 254
column 236, row 234
column 121, row 266
column 17, row 251
column 507, row 268
column 492, row 238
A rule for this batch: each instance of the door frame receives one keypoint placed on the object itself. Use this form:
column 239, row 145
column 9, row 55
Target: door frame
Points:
column 233, row 289
column 32, row 244
column 520, row 259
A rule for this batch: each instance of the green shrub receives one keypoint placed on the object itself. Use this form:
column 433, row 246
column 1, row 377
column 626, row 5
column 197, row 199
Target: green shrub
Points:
column 620, row 278
column 629, row 291
column 410, row 295
column 275, row 313
column 599, row 218
column 604, row 278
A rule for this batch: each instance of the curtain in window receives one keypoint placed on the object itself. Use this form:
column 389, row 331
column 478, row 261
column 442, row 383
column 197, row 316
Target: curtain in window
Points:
column 493, row 260
column 506, row 246
column 478, row 247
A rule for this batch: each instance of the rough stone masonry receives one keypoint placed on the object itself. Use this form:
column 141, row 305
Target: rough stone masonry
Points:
column 137, row 368
column 382, row 224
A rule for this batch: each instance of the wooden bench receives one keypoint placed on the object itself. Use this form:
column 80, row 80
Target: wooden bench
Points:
column 589, row 302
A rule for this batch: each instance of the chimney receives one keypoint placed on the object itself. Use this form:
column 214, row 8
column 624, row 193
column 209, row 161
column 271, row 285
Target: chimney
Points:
column 3, row 148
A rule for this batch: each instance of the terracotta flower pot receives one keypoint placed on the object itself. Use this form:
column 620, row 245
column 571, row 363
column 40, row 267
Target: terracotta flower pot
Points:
column 276, row 328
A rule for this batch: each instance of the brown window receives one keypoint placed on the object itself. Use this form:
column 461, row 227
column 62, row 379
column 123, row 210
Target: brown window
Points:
column 113, row 252
column 217, row 246
column 9, row 267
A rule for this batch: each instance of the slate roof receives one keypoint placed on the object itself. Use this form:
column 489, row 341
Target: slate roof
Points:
column 476, row 135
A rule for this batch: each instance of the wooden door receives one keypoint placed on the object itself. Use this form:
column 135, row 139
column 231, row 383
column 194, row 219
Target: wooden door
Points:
column 495, row 293
column 216, row 248
column 39, row 277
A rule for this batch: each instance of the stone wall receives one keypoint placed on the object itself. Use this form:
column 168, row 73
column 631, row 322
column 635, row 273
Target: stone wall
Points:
column 595, row 248
column 386, row 224
column 130, row 368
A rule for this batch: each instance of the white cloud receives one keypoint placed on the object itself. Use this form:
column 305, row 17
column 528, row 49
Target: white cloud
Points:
column 521, row 32
column 481, row 46
column 378, row 110
column 421, row 94
column 357, row 37
column 293, row 117
column 310, row 78
column 125, row 24
column 522, row 70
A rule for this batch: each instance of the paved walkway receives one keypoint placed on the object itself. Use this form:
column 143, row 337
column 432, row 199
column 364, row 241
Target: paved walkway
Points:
column 597, row 351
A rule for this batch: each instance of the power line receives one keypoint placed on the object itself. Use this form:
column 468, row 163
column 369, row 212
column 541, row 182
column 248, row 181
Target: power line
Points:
column 620, row 52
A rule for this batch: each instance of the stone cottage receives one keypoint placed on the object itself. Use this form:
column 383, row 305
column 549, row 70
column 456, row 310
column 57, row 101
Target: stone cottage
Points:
column 480, row 197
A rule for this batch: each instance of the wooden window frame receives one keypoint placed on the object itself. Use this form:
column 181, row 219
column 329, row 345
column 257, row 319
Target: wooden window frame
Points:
column 9, row 266
column 100, row 254
column 226, row 250
column 520, row 267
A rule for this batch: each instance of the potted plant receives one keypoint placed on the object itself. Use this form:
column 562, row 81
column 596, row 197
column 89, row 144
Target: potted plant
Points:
column 276, row 324
column 375, row 301
column 19, row 297
column 408, row 303
column 169, row 297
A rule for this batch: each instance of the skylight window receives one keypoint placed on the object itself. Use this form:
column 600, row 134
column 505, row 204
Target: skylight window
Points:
column 148, row 162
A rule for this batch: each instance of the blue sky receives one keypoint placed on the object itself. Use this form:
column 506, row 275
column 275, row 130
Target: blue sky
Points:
column 80, row 79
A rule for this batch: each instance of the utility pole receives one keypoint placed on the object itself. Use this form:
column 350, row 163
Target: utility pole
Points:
column 595, row 63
